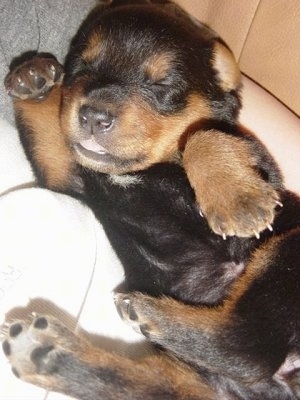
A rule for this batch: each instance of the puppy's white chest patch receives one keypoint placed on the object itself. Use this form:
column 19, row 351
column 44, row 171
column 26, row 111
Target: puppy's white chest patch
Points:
column 126, row 180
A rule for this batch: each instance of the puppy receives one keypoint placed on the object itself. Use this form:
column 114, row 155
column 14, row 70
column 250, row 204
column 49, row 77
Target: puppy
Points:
column 142, row 98
column 141, row 124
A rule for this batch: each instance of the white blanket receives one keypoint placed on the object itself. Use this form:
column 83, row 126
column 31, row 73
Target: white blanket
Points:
column 54, row 259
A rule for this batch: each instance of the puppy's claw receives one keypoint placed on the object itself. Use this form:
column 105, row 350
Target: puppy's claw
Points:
column 269, row 226
column 257, row 235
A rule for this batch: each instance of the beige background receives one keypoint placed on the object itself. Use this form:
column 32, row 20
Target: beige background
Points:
column 265, row 38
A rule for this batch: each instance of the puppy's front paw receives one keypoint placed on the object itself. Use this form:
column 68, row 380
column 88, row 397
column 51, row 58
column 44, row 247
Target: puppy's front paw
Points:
column 232, row 195
column 242, row 210
column 33, row 79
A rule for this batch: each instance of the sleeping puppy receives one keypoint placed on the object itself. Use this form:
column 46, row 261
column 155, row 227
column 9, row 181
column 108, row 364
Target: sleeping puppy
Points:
column 142, row 89
column 141, row 124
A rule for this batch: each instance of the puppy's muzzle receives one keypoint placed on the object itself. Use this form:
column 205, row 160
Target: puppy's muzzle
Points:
column 94, row 121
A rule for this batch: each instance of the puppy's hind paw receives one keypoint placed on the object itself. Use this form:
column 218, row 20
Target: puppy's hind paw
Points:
column 35, row 349
column 145, row 314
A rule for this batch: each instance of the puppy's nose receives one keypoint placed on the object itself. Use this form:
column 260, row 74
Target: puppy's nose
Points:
column 94, row 120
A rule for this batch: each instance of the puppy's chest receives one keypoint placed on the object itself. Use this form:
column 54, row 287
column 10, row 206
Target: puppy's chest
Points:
column 158, row 194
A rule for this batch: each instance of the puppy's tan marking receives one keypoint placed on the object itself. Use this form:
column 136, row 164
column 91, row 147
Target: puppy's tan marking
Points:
column 158, row 65
column 259, row 263
column 93, row 47
column 173, row 128
column 160, row 135
column 72, row 99
column 50, row 148
column 140, row 135
column 226, row 65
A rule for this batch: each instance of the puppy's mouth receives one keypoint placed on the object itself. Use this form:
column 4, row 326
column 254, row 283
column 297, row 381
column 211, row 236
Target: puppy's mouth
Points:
column 93, row 146
column 91, row 154
column 90, row 148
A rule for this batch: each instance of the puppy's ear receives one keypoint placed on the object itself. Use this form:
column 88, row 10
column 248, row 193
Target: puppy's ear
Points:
column 226, row 66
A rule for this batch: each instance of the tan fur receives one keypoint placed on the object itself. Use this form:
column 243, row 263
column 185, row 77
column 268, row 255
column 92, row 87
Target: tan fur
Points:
column 158, row 66
column 223, row 157
column 141, row 133
column 93, row 47
column 227, row 187
column 50, row 147
column 228, row 70
column 259, row 263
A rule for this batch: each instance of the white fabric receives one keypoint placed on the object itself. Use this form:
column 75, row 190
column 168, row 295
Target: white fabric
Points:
column 14, row 168
column 55, row 258
column 277, row 127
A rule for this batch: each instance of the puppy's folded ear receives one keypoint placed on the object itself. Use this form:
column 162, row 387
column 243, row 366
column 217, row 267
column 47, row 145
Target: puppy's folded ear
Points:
column 226, row 66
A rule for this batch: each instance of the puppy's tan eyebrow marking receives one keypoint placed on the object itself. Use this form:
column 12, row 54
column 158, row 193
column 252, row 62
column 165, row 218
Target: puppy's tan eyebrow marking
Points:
column 93, row 47
column 158, row 65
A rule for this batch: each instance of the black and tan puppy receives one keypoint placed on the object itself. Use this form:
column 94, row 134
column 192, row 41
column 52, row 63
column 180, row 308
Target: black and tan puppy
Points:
column 137, row 85
column 147, row 106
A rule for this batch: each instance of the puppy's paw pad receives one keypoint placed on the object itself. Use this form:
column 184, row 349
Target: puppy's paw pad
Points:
column 245, row 214
column 33, row 79
column 137, row 311
column 33, row 347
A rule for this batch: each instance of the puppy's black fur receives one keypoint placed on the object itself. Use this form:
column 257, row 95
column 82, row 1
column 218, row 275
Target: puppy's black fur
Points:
column 135, row 77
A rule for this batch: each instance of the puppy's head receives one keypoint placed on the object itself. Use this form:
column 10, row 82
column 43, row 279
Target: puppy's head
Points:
column 138, row 79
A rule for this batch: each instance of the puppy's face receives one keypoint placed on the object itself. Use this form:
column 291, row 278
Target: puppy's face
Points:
column 138, row 80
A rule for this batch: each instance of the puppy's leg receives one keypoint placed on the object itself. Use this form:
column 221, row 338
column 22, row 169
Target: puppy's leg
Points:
column 47, row 354
column 246, row 338
column 224, row 171
column 193, row 333
column 204, row 337
column 35, row 86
